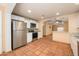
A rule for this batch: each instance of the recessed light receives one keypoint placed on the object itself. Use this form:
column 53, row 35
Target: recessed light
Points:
column 57, row 13
column 29, row 11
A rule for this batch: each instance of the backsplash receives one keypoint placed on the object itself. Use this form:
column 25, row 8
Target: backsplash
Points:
column 32, row 30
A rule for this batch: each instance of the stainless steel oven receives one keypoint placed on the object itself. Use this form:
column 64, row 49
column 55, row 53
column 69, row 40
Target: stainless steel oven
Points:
column 35, row 36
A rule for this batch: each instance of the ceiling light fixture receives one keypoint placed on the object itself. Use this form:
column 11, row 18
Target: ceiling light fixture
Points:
column 29, row 11
column 57, row 13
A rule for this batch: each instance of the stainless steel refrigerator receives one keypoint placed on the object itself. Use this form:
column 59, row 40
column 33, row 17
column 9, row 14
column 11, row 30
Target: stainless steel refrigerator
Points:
column 19, row 34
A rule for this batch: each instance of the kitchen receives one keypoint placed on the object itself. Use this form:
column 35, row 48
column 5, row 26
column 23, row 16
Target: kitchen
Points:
column 26, row 30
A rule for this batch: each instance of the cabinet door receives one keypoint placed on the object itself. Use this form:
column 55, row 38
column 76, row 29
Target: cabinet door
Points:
column 29, row 37
column 39, row 35
column 74, row 45
column 28, row 24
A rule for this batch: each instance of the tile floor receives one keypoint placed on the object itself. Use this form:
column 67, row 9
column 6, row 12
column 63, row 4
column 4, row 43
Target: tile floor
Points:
column 42, row 47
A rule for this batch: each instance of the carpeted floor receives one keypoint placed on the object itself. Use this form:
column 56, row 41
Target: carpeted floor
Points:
column 42, row 47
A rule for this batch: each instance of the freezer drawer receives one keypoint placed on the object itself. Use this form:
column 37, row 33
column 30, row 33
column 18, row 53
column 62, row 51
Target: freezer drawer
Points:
column 19, row 39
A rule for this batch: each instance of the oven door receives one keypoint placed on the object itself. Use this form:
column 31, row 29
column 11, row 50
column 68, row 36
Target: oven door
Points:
column 34, row 35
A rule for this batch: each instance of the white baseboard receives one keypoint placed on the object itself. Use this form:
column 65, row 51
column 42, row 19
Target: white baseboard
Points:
column 5, row 51
column 8, row 50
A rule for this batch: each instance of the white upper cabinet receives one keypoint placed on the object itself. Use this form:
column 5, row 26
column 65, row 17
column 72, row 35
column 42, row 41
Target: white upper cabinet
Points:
column 15, row 17
column 28, row 21
column 28, row 24
column 77, row 20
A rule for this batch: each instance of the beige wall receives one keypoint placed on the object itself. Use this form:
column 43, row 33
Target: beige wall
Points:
column 44, row 28
column 0, row 31
column 40, row 27
column 66, row 26
column 73, row 22
column 6, row 26
column 4, row 30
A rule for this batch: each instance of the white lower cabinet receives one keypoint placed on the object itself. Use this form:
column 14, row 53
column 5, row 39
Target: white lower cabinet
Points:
column 39, row 35
column 73, row 42
column 29, row 37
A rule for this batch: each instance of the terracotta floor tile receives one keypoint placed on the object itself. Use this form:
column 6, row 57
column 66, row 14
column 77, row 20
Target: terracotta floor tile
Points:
column 42, row 47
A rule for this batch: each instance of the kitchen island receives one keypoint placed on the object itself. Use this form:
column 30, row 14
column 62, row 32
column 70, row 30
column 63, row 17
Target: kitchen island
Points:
column 60, row 36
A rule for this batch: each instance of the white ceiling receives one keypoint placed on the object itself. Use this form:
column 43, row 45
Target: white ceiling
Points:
column 46, row 9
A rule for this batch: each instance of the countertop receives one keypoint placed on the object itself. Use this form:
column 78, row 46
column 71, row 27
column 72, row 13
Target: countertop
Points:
column 32, row 32
column 60, row 31
column 76, row 36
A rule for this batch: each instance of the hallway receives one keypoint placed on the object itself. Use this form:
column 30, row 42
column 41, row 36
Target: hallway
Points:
column 42, row 47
